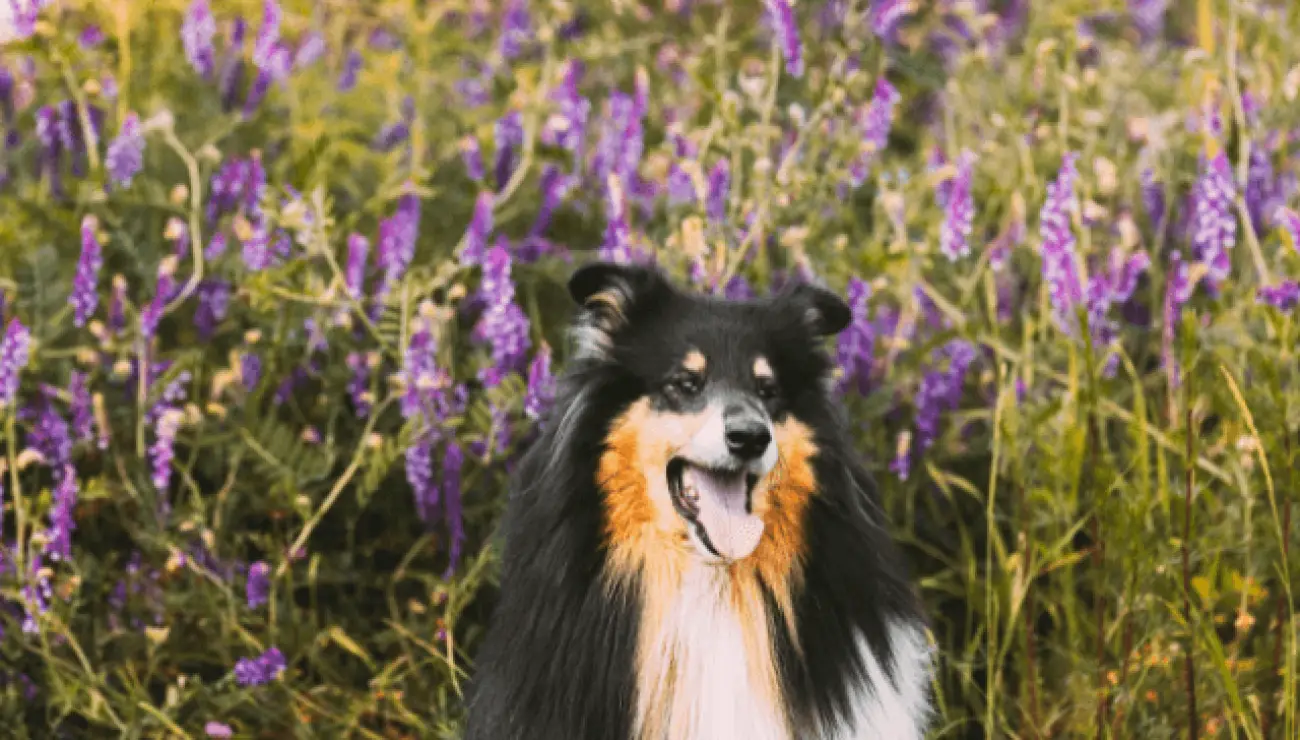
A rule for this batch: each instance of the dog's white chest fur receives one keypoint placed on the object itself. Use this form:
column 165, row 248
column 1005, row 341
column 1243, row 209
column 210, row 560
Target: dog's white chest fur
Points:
column 708, row 672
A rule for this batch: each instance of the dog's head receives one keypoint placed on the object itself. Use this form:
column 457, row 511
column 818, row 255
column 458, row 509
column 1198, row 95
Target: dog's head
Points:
column 710, row 419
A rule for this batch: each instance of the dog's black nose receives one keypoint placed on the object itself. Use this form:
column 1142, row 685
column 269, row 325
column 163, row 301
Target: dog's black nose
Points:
column 748, row 438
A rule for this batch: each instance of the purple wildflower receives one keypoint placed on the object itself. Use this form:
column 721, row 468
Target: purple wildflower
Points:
column 855, row 350
column 887, row 15
column 1148, row 17
column 218, row 730
column 64, row 501
column 618, row 151
column 874, row 123
column 719, row 187
column 1153, row 198
column 452, row 461
column 1215, row 227
column 516, row 29
column 163, row 449
column 940, row 389
column 786, row 29
column 255, row 246
column 509, row 137
column 250, row 369
column 566, row 128
column 51, row 148
column 260, row 670
column 214, row 302
column 351, row 68
column 419, row 473
column 15, row 350
column 197, row 33
column 617, row 243
column 959, row 211
column 554, row 186
column 472, row 155
column 354, row 272
column 503, row 324
column 125, row 155
column 1059, row 268
column 117, row 309
column 1261, row 187
column 390, row 136
column 152, row 313
column 258, row 588
column 1289, row 220
column 310, row 50
column 83, row 417
column 85, row 293
column 680, row 186
column 1284, row 296
column 738, row 289
column 541, row 384
column 359, row 383
column 480, row 227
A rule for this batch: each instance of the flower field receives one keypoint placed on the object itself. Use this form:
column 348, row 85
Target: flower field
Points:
column 282, row 294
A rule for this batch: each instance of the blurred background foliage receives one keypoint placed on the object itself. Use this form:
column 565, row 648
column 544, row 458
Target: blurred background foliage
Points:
column 283, row 291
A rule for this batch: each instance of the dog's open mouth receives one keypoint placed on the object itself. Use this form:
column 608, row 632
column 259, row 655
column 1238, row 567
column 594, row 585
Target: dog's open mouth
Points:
column 717, row 504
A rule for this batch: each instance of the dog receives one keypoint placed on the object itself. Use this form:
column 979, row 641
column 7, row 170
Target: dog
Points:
column 692, row 549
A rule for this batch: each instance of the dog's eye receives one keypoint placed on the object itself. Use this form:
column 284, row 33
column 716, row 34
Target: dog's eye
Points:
column 685, row 385
column 767, row 389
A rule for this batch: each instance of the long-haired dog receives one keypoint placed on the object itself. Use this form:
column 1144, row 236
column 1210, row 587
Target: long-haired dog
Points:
column 693, row 551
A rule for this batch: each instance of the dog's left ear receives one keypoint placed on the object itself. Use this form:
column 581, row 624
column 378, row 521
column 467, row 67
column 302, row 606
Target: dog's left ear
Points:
column 608, row 294
column 824, row 313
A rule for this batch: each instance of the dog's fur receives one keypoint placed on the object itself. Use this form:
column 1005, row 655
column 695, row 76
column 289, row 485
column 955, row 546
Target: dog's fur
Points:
column 619, row 618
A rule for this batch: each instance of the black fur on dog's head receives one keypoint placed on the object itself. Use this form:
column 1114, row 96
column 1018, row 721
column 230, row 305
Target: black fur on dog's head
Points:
column 669, row 398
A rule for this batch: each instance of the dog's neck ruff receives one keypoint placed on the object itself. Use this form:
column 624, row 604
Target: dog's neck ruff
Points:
column 707, row 668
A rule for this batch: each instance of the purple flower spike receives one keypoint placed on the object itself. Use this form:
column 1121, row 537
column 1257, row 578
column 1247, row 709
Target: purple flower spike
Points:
column 887, row 15
column 959, row 211
column 218, row 730
column 509, row 134
column 359, row 383
column 1059, row 268
column 503, row 324
column 83, row 418
column 875, row 123
column 786, row 30
column 541, row 384
column 419, row 473
column 855, row 352
column 15, row 351
column 309, row 51
column 480, row 228
column 351, row 68
column 472, row 155
column 1153, row 198
column 260, row 670
column 390, row 136
column 1289, row 221
column 125, row 155
column 258, row 588
column 64, row 499
column 163, row 450
column 719, row 189
column 1283, row 296
column 197, row 32
column 354, row 273
column 516, row 29
column 214, row 302
column 85, row 293
column 451, row 492
column 1215, row 226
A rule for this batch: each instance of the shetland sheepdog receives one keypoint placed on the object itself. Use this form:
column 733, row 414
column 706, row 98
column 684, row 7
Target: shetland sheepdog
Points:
column 693, row 550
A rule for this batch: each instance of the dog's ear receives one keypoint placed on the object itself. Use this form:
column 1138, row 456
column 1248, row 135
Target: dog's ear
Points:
column 824, row 313
column 607, row 293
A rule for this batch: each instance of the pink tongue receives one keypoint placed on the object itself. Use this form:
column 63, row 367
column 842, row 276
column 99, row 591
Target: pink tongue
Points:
column 733, row 532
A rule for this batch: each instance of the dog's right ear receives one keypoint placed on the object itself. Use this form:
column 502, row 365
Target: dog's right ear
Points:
column 607, row 293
